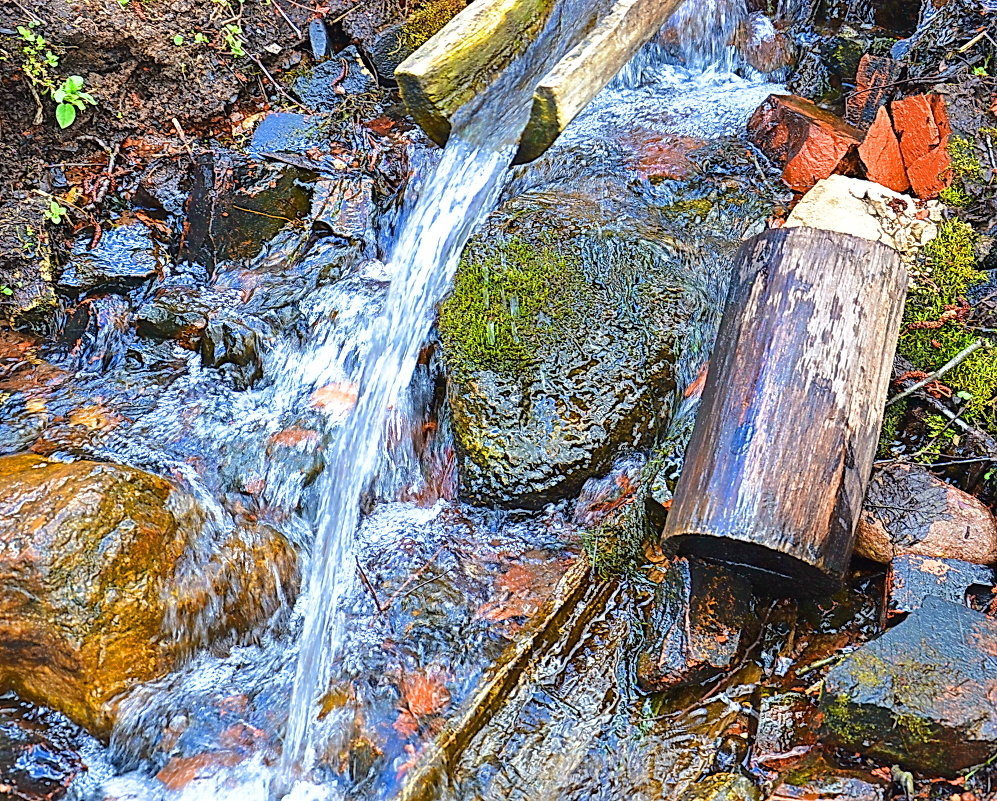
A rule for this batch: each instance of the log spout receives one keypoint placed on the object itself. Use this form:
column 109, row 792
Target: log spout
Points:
column 787, row 430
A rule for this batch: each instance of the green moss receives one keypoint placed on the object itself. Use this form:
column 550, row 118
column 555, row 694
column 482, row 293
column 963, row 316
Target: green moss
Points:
column 426, row 21
column 951, row 270
column 507, row 299
column 955, row 196
column 684, row 209
column 888, row 433
column 965, row 162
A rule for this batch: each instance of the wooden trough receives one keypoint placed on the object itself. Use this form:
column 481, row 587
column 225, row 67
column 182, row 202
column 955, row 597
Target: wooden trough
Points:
column 479, row 43
column 788, row 426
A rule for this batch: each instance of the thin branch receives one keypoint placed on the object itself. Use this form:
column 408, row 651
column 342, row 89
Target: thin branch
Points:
column 287, row 19
column 955, row 361
column 278, row 86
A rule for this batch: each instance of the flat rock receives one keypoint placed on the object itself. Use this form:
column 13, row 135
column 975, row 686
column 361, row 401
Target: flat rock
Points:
column 921, row 695
column 808, row 142
column 785, row 729
column 923, row 130
column 124, row 258
column 909, row 511
column 697, row 625
column 723, row 787
column 912, row 578
column 327, row 84
column 103, row 583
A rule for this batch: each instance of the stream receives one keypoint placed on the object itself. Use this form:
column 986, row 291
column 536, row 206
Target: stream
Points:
column 409, row 596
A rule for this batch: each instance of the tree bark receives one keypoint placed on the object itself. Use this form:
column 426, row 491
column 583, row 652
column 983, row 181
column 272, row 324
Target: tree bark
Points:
column 786, row 434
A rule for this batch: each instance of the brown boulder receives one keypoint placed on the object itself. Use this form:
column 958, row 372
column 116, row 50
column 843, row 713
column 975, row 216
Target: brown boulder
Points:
column 763, row 47
column 809, row 143
column 909, row 511
column 107, row 580
column 880, row 152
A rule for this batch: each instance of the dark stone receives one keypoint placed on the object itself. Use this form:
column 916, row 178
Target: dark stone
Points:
column 921, row 695
column 95, row 332
column 39, row 756
column 237, row 204
column 318, row 37
column 817, row 778
column 164, row 185
column 178, row 311
column 722, row 787
column 324, row 88
column 231, row 343
column 27, row 299
column 697, row 626
column 125, row 257
column 875, row 83
column 286, row 132
column 785, row 728
column 912, row 578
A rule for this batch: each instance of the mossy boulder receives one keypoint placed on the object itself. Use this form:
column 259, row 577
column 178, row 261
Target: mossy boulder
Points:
column 108, row 578
column 560, row 338
column 723, row 787
column 922, row 694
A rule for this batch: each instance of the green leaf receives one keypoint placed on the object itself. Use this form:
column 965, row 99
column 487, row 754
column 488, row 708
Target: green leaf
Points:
column 25, row 33
column 65, row 114
column 6, row 290
column 59, row 95
column 74, row 83
column 86, row 97
column 178, row 40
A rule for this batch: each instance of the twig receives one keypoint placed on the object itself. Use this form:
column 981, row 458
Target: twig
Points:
column 183, row 138
column 345, row 14
column 370, row 587
column 411, row 578
column 955, row 361
column 277, row 85
column 262, row 213
column 287, row 19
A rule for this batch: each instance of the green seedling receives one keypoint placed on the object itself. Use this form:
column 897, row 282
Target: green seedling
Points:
column 70, row 97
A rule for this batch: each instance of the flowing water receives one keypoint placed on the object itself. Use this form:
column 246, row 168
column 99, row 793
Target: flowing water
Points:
column 271, row 717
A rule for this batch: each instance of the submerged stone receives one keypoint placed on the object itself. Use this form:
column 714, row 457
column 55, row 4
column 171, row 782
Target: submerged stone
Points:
column 324, row 88
column 920, row 695
column 105, row 582
column 123, row 259
column 697, row 625
column 723, row 787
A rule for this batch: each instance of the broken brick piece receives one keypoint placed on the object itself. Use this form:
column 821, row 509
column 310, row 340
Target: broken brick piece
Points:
column 914, row 122
column 930, row 174
column 809, row 143
column 877, row 76
column 911, row 578
column 880, row 152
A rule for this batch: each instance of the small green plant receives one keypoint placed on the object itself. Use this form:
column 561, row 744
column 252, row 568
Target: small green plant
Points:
column 200, row 38
column 965, row 162
column 955, row 196
column 69, row 97
column 56, row 212
column 178, row 39
column 38, row 57
column 6, row 290
column 981, row 71
column 232, row 37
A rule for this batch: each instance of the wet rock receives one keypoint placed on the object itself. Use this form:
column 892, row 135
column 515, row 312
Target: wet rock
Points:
column 697, row 625
column 27, row 298
column 108, row 578
column 233, row 344
column 345, row 208
column 324, row 88
column 178, row 310
column 944, row 28
column 763, row 47
column 909, row 511
column 807, row 142
column 318, row 37
column 875, row 83
column 124, row 258
column 723, row 787
column 284, row 132
column 238, row 203
column 818, row 779
column 912, row 578
column 96, row 332
column 164, row 185
column 786, row 729
column 560, row 343
column 920, row 695
column 868, row 210
column 39, row 752
column 880, row 153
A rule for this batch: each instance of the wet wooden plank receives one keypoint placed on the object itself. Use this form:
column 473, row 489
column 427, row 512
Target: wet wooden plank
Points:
column 785, row 437
column 585, row 71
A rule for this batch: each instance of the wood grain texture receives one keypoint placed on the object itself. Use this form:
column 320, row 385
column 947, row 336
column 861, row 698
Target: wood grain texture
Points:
column 588, row 67
column 786, row 434
column 464, row 57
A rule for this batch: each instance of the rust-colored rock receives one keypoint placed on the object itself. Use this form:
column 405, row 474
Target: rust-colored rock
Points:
column 663, row 158
column 763, row 47
column 930, row 174
column 880, row 153
column 102, row 587
column 808, row 142
column 875, row 82
column 922, row 127
column 910, row 511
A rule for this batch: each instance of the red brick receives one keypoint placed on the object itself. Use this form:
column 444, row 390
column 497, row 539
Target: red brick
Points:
column 914, row 122
column 880, row 152
column 808, row 142
column 930, row 174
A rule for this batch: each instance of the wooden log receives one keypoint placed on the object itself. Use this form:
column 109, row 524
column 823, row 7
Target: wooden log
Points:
column 787, row 430
column 588, row 67
column 464, row 57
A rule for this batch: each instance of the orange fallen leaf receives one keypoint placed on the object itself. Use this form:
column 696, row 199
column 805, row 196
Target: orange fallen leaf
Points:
column 424, row 692
column 336, row 398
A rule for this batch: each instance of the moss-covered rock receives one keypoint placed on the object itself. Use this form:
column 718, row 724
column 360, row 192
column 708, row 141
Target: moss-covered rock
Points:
column 560, row 338
column 723, row 787
column 920, row 695
column 27, row 297
column 105, row 582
